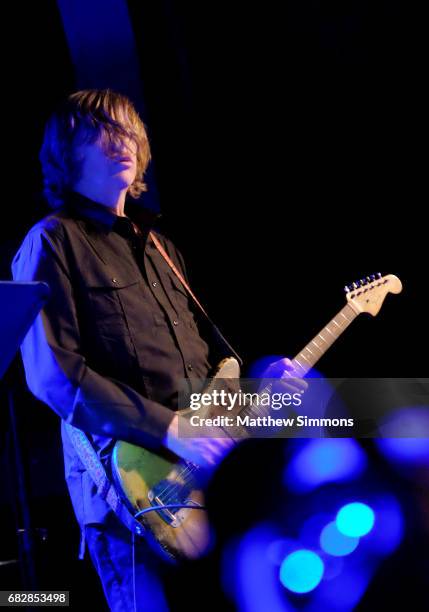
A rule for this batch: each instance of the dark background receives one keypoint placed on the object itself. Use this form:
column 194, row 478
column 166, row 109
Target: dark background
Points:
column 288, row 142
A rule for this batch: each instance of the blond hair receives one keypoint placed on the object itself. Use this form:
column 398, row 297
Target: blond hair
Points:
column 82, row 118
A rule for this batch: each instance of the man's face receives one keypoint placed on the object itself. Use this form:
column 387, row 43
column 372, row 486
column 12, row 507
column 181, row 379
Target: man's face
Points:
column 107, row 164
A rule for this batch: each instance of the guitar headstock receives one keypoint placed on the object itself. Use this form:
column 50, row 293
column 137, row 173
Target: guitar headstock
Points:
column 368, row 294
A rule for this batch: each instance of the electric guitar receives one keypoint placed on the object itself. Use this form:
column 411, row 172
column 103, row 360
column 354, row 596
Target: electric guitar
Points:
column 156, row 484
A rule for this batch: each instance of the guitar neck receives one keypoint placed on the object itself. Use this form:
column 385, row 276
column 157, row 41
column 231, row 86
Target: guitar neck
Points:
column 317, row 347
column 313, row 351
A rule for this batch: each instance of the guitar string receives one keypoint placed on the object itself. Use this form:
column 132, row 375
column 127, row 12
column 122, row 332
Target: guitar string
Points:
column 170, row 484
column 173, row 488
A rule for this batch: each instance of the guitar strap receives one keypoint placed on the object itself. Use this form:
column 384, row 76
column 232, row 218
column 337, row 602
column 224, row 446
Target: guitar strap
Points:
column 174, row 269
column 88, row 456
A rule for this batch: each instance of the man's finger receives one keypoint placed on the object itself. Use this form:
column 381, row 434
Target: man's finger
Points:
column 298, row 384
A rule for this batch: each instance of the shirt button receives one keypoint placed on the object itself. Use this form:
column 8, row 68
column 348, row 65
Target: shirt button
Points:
column 190, row 368
column 154, row 284
column 115, row 280
column 175, row 322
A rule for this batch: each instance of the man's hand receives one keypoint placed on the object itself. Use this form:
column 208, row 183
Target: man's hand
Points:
column 205, row 452
column 285, row 374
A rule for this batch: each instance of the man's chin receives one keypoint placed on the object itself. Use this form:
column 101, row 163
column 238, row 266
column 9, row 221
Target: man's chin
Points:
column 124, row 180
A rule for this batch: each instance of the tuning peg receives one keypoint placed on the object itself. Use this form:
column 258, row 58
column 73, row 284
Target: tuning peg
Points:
column 346, row 289
column 356, row 284
column 378, row 274
column 363, row 282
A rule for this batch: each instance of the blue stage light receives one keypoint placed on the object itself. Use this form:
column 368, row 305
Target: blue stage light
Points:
column 336, row 543
column 325, row 460
column 355, row 520
column 301, row 571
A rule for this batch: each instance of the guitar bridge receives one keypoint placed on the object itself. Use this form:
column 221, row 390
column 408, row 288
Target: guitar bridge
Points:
column 171, row 518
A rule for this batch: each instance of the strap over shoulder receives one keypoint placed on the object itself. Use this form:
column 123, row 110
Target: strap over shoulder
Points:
column 173, row 267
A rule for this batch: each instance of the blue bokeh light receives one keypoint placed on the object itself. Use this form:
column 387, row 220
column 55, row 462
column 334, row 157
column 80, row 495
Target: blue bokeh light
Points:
column 406, row 436
column 325, row 460
column 344, row 591
column 405, row 450
column 335, row 543
column 389, row 528
column 355, row 520
column 250, row 576
column 301, row 571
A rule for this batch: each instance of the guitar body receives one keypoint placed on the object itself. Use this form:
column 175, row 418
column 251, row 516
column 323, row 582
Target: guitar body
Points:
column 145, row 479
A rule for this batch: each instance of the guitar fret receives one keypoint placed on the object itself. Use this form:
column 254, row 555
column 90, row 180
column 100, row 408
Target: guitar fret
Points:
column 301, row 366
column 334, row 328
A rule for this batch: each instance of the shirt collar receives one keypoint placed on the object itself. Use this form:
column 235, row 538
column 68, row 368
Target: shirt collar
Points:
column 103, row 218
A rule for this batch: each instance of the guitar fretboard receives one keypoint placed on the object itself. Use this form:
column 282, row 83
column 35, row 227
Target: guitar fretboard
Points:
column 313, row 351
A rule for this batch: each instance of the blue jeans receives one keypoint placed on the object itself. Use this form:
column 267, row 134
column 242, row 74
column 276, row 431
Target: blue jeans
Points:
column 111, row 551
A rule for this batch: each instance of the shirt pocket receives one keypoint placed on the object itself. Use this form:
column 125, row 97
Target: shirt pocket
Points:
column 109, row 301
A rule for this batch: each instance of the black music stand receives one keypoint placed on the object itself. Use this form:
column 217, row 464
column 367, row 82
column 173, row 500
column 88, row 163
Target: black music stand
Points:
column 20, row 303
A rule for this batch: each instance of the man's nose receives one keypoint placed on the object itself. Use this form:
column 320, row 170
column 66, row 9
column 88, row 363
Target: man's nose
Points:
column 116, row 149
column 123, row 147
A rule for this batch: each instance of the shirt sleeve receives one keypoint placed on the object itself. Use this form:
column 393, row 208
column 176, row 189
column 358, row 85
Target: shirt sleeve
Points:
column 55, row 368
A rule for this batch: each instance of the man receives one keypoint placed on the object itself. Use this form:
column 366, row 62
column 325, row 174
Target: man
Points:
column 119, row 332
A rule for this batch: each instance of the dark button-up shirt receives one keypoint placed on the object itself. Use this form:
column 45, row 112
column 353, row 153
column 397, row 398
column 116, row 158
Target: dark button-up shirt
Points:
column 117, row 337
